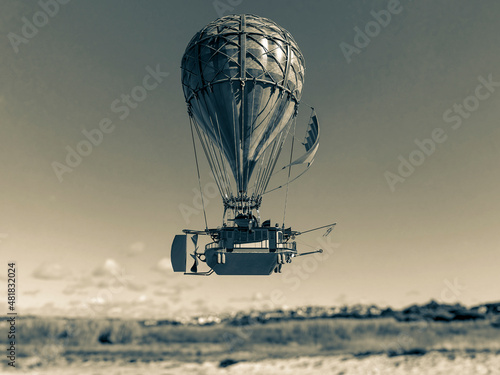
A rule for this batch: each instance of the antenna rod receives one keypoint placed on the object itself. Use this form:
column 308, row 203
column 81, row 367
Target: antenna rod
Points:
column 310, row 230
column 310, row 252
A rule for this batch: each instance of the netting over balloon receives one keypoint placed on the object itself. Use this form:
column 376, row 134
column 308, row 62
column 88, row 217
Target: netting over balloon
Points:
column 214, row 55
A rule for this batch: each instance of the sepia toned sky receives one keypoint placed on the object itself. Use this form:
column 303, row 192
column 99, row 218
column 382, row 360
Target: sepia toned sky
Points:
column 414, row 222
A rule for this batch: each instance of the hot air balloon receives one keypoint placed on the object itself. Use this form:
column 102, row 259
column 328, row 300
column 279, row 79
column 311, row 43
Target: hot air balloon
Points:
column 242, row 77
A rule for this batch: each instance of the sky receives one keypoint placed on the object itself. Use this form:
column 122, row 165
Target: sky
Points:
column 407, row 167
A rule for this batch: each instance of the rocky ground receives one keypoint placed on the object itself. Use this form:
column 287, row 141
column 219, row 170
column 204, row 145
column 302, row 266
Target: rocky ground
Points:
column 432, row 363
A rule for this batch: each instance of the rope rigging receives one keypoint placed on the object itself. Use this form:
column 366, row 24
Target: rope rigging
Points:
column 198, row 171
column 289, row 172
column 304, row 171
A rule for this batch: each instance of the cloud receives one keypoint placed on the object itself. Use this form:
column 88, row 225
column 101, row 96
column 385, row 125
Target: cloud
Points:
column 173, row 295
column 69, row 290
column 164, row 266
column 51, row 271
column 174, row 291
column 256, row 297
column 109, row 275
column 109, row 268
column 413, row 293
column 162, row 292
column 136, row 248
column 341, row 299
column 102, row 305
column 116, row 284
column 31, row 292
column 115, row 311
column 112, row 275
column 106, row 305
column 78, row 285
column 135, row 286
column 202, row 306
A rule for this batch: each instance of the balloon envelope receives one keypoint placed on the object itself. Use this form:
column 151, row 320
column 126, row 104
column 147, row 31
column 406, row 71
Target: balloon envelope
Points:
column 242, row 77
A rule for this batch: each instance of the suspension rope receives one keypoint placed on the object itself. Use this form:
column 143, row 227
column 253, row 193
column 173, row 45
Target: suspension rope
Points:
column 250, row 134
column 289, row 170
column 284, row 133
column 223, row 173
column 271, row 153
column 236, row 155
column 260, row 170
column 219, row 163
column 270, row 116
column 272, row 164
column 223, row 162
column 198, row 171
column 213, row 162
column 263, row 177
column 265, row 174
column 296, row 177
column 205, row 145
column 275, row 152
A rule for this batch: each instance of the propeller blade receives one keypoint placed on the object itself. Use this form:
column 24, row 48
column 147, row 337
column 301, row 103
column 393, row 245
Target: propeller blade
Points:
column 195, row 240
column 194, row 268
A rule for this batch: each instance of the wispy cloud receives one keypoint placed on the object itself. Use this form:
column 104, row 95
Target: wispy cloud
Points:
column 109, row 275
column 136, row 286
column 136, row 248
column 78, row 285
column 31, row 292
column 50, row 271
column 164, row 267
column 413, row 293
column 114, row 283
column 173, row 292
column 163, row 292
column 142, row 306
column 109, row 268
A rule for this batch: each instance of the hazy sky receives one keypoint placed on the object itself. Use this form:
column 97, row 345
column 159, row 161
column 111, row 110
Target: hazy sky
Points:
column 431, row 232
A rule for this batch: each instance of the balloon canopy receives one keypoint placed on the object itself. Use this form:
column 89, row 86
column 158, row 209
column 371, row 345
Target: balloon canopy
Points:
column 242, row 77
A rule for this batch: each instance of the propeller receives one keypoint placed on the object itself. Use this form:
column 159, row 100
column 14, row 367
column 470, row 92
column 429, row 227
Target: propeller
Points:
column 194, row 268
